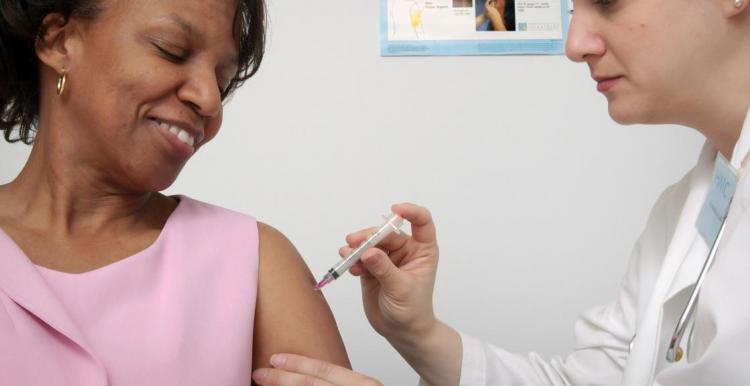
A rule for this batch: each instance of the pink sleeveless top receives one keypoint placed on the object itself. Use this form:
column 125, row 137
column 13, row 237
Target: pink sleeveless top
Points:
column 177, row 313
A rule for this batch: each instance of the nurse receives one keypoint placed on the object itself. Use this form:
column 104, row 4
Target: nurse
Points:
column 669, row 61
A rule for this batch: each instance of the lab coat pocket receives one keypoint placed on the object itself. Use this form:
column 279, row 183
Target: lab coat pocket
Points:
column 671, row 312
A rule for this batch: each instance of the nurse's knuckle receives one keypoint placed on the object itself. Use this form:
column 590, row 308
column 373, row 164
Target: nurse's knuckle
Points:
column 294, row 363
column 273, row 378
column 323, row 369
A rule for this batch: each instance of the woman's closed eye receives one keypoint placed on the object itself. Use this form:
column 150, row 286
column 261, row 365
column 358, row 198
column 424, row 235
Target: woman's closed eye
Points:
column 181, row 56
column 171, row 55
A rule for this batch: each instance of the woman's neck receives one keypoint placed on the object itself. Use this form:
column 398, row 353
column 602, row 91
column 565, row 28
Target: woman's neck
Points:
column 53, row 192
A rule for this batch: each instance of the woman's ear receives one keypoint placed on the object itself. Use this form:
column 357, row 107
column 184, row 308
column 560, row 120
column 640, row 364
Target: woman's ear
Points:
column 55, row 44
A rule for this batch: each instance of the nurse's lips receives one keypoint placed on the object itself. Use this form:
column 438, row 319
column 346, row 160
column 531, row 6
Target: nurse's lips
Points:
column 605, row 83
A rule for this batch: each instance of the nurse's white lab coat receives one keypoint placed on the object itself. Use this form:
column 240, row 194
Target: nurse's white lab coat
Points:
column 664, row 266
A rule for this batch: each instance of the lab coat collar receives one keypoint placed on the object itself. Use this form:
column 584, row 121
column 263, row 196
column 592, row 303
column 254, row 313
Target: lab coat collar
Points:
column 25, row 286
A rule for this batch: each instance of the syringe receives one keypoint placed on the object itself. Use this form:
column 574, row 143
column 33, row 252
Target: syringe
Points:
column 392, row 224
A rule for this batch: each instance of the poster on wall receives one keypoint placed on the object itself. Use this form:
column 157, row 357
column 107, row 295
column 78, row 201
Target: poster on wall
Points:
column 472, row 27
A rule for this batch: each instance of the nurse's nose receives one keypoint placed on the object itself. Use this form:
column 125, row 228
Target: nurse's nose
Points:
column 584, row 41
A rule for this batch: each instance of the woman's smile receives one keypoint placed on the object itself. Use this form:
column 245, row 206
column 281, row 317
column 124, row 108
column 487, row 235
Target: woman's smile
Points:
column 181, row 138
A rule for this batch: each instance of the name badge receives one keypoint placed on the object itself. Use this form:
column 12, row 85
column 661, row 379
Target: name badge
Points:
column 716, row 206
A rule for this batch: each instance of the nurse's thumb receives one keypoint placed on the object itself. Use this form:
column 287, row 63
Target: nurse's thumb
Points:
column 381, row 267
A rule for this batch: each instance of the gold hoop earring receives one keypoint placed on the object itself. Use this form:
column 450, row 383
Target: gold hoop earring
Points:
column 61, row 82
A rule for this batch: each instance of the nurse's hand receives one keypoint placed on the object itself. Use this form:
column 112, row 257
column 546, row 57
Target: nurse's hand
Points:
column 293, row 370
column 398, row 277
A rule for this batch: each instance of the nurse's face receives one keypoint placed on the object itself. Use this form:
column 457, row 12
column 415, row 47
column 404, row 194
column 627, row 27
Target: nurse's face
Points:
column 650, row 58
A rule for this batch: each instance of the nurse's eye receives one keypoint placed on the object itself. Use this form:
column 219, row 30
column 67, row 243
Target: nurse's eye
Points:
column 604, row 3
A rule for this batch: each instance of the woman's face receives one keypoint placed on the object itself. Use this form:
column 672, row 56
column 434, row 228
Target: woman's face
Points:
column 145, row 82
column 650, row 58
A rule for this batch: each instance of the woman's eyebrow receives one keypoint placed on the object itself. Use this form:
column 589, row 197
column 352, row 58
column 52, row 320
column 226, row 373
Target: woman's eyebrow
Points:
column 194, row 34
column 186, row 26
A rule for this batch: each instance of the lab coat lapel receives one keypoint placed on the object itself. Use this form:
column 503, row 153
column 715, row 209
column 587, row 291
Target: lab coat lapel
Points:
column 23, row 284
column 689, row 250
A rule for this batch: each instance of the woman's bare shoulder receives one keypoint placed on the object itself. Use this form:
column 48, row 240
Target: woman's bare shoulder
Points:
column 290, row 316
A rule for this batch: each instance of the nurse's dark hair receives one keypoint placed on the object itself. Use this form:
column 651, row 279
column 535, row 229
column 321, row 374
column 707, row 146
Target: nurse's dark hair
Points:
column 20, row 25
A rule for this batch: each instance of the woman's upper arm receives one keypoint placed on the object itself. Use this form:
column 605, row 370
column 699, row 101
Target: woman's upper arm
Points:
column 289, row 316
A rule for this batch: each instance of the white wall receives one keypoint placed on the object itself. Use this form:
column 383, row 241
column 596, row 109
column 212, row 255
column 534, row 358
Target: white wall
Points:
column 537, row 194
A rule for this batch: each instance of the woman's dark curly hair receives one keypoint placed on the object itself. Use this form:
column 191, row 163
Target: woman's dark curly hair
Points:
column 20, row 25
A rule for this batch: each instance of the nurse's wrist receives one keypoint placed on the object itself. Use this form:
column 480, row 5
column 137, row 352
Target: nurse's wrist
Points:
column 421, row 338
column 412, row 333
column 435, row 353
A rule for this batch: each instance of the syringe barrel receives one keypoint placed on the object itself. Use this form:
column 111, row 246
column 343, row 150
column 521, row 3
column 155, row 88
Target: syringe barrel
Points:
column 392, row 224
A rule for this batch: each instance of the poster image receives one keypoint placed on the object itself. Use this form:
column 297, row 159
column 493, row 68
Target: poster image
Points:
column 473, row 27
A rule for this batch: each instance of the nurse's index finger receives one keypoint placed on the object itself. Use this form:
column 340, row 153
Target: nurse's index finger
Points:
column 420, row 218
column 356, row 238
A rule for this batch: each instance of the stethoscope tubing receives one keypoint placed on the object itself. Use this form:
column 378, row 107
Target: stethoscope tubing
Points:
column 674, row 353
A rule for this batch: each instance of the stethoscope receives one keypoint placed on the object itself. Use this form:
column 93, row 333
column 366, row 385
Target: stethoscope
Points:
column 721, row 181
column 674, row 352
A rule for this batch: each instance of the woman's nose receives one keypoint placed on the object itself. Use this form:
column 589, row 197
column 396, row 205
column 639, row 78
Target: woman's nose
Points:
column 202, row 92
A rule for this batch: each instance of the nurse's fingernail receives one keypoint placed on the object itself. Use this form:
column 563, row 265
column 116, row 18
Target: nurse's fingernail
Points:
column 278, row 360
column 260, row 375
